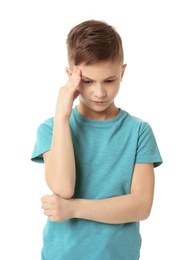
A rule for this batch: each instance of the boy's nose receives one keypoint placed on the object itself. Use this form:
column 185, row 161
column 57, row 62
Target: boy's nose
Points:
column 99, row 92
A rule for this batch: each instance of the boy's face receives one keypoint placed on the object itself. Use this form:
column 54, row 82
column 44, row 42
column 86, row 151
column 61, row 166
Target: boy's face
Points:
column 98, row 88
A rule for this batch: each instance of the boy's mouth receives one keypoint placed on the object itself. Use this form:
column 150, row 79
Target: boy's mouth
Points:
column 99, row 102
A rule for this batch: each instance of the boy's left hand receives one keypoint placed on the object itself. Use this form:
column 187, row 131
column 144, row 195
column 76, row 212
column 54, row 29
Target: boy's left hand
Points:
column 56, row 208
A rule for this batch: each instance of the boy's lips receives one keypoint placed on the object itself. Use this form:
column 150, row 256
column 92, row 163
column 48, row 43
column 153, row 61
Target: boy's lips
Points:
column 99, row 102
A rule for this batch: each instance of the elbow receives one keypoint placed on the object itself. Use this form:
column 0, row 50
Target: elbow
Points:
column 66, row 194
column 145, row 212
column 63, row 193
column 145, row 215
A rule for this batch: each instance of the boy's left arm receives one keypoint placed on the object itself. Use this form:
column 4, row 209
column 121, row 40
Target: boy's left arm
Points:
column 132, row 207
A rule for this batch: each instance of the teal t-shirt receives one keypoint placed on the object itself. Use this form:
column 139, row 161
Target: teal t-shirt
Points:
column 105, row 154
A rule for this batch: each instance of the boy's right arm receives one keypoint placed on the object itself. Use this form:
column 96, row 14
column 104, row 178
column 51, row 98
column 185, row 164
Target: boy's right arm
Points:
column 60, row 161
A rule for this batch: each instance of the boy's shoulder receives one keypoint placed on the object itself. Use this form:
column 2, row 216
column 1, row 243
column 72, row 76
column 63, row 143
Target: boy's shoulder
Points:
column 46, row 126
column 134, row 124
column 131, row 119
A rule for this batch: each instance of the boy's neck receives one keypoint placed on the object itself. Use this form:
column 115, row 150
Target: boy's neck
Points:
column 111, row 112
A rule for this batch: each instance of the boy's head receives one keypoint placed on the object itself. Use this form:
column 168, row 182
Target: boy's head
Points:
column 92, row 42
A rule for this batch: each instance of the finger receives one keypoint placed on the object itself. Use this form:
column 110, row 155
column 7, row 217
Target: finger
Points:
column 76, row 71
column 51, row 218
column 47, row 213
column 45, row 206
column 45, row 198
column 76, row 76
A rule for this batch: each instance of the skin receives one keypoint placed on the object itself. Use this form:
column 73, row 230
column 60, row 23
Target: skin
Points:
column 97, row 86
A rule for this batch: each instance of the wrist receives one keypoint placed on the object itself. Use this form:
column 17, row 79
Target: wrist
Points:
column 78, row 206
column 61, row 118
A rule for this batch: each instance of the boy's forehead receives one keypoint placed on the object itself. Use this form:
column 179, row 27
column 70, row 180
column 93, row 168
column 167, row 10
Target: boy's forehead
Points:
column 102, row 69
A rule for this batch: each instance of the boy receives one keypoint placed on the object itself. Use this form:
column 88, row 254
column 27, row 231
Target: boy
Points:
column 99, row 160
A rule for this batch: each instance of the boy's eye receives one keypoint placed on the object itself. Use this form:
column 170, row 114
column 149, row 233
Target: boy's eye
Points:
column 109, row 81
column 86, row 81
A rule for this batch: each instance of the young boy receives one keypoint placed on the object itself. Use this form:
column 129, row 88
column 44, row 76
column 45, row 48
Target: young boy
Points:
column 99, row 160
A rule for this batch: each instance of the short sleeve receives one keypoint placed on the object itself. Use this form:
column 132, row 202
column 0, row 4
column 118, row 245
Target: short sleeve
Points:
column 43, row 142
column 147, row 148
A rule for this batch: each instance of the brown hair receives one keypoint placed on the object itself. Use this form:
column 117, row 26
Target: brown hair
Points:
column 93, row 41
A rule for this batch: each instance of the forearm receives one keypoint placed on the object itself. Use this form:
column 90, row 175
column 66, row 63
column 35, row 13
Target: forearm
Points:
column 132, row 207
column 116, row 210
column 60, row 166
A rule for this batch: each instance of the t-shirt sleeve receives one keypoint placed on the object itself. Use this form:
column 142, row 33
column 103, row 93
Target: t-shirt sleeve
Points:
column 43, row 142
column 147, row 148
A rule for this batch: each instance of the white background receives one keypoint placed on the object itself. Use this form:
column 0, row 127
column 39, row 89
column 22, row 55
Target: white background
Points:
column 32, row 69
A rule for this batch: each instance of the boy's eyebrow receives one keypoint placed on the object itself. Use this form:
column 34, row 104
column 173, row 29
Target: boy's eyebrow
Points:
column 104, row 79
column 85, row 77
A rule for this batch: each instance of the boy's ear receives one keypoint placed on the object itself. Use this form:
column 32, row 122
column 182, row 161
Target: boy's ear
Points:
column 69, row 72
column 123, row 70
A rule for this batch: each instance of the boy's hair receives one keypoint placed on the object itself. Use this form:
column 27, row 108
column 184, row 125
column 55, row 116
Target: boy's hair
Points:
column 93, row 41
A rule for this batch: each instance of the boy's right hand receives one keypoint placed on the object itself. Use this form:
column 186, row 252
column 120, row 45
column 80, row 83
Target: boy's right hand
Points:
column 68, row 94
